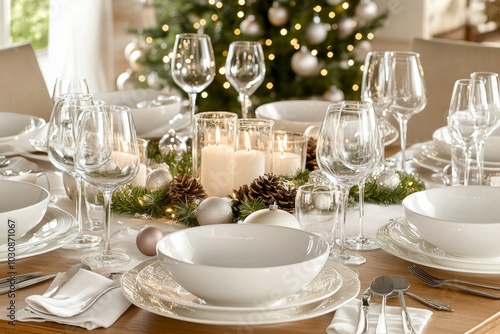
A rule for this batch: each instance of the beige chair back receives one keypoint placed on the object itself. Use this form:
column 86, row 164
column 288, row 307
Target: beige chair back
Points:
column 444, row 62
column 22, row 86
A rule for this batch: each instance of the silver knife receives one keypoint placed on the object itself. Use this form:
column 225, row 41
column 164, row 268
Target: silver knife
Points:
column 6, row 281
column 27, row 283
column 363, row 312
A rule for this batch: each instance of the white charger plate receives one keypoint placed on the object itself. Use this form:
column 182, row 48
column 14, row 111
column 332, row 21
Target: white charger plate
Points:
column 347, row 292
column 402, row 240
column 157, row 282
column 56, row 229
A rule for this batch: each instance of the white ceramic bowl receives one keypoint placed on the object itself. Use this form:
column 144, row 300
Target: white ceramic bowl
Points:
column 294, row 115
column 152, row 110
column 462, row 221
column 22, row 206
column 242, row 264
column 16, row 130
column 442, row 138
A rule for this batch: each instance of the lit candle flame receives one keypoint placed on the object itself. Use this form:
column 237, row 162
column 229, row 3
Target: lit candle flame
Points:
column 217, row 136
column 282, row 143
column 248, row 145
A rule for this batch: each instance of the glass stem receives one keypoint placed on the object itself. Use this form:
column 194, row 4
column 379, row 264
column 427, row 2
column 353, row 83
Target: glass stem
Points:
column 342, row 212
column 403, row 126
column 107, row 225
column 361, row 192
column 192, row 107
column 480, row 161
column 78, row 200
column 244, row 105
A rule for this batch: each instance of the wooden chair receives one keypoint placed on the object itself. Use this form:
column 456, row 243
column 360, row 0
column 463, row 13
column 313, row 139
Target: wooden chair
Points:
column 22, row 86
column 445, row 61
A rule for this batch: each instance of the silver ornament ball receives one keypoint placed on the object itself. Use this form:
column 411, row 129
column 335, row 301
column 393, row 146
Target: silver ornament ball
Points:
column 304, row 63
column 278, row 15
column 316, row 32
column 214, row 210
column 158, row 180
column 388, row 179
column 367, row 10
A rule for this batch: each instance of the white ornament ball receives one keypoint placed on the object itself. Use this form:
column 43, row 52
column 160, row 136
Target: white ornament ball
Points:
column 147, row 239
column 367, row 10
column 388, row 179
column 304, row 63
column 125, row 81
column 361, row 50
column 334, row 94
column 131, row 47
column 250, row 26
column 316, row 32
column 135, row 60
column 278, row 16
column 273, row 216
column 158, row 180
column 346, row 26
column 214, row 210
column 333, row 2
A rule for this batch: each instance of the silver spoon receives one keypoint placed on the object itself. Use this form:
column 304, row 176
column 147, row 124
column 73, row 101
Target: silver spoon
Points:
column 382, row 286
column 401, row 284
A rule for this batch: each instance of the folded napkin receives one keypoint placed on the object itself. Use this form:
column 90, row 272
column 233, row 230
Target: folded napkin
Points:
column 61, row 307
column 346, row 318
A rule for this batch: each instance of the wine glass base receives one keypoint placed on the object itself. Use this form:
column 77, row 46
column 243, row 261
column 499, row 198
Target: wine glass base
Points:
column 348, row 258
column 84, row 241
column 358, row 243
column 104, row 260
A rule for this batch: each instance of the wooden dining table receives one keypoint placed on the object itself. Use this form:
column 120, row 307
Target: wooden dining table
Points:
column 472, row 314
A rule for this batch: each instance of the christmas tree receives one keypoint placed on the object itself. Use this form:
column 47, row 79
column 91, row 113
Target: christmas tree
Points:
column 313, row 48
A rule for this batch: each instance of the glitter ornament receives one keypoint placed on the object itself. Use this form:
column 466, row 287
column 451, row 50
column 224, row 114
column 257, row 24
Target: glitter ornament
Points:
column 273, row 216
column 250, row 26
column 158, row 180
column 367, row 10
column 171, row 143
column 214, row 210
column 278, row 15
column 304, row 63
column 388, row 179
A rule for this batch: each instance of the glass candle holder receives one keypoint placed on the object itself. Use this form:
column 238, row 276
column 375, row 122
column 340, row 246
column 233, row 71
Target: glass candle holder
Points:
column 253, row 150
column 140, row 178
column 213, row 151
column 290, row 152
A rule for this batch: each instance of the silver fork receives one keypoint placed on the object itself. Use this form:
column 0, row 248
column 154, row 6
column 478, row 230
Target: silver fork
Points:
column 435, row 283
column 423, row 273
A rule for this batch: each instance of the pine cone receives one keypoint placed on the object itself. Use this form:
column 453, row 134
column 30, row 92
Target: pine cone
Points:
column 269, row 189
column 186, row 188
column 311, row 163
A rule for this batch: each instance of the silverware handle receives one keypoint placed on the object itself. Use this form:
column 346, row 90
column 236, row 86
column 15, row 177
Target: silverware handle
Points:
column 407, row 325
column 362, row 321
column 486, row 286
column 473, row 291
column 381, row 323
column 428, row 302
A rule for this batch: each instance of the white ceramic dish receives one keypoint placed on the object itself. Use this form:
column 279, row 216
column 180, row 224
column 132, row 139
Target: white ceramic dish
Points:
column 464, row 221
column 402, row 240
column 22, row 206
column 155, row 281
column 56, row 229
column 442, row 138
column 16, row 130
column 242, row 264
column 152, row 110
column 348, row 291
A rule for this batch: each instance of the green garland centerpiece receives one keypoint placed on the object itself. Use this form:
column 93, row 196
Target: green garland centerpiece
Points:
column 171, row 192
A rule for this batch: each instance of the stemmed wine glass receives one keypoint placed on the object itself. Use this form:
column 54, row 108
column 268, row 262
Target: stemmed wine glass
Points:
column 408, row 96
column 348, row 149
column 492, row 91
column 69, row 85
column 61, row 146
column 375, row 89
column 245, row 70
column 107, row 156
column 193, row 66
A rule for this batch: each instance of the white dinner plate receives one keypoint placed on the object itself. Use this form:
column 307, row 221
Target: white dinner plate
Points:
column 56, row 229
column 347, row 292
column 180, row 122
column 402, row 240
column 425, row 161
column 155, row 281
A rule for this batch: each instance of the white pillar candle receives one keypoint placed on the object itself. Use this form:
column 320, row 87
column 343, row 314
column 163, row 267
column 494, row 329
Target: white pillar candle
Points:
column 217, row 170
column 285, row 163
column 140, row 178
column 248, row 165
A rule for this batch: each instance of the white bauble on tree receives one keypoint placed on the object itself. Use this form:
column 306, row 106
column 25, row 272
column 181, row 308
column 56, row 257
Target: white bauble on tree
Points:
column 135, row 60
column 346, row 26
column 304, row 63
column 334, row 94
column 278, row 15
column 126, row 80
column 131, row 47
column 333, row 2
column 366, row 10
column 361, row 50
column 316, row 32
column 250, row 26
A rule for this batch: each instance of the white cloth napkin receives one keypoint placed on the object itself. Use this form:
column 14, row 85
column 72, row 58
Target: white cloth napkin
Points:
column 59, row 307
column 345, row 320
